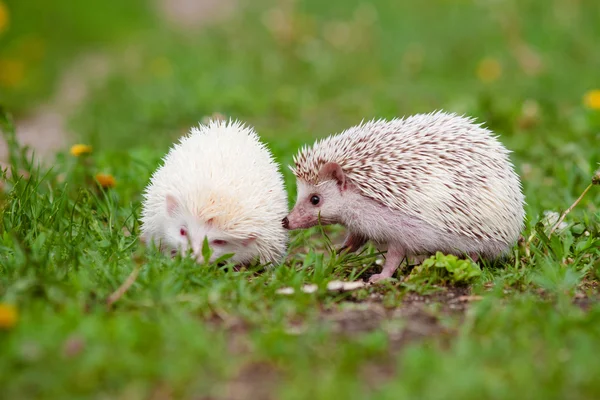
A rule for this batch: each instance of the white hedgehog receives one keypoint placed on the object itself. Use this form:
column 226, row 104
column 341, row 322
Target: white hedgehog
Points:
column 222, row 183
column 427, row 183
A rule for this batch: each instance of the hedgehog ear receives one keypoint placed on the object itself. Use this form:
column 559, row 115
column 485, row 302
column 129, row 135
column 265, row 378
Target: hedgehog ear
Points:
column 248, row 240
column 172, row 205
column 333, row 171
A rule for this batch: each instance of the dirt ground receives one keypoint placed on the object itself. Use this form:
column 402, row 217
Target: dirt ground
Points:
column 412, row 322
column 419, row 317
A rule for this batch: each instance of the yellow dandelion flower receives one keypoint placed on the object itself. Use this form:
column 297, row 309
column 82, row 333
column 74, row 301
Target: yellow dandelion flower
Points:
column 3, row 17
column 8, row 316
column 12, row 72
column 106, row 180
column 489, row 70
column 80, row 149
column 592, row 99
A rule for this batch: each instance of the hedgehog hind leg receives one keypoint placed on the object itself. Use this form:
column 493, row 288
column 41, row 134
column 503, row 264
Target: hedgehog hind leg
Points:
column 473, row 256
column 352, row 243
column 395, row 255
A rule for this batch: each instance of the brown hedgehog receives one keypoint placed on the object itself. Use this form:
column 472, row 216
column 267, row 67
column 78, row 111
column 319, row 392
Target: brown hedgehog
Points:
column 414, row 186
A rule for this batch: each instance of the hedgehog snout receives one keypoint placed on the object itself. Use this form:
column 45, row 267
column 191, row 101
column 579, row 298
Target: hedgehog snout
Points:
column 285, row 222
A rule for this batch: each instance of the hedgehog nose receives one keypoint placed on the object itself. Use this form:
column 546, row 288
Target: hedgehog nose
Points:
column 285, row 222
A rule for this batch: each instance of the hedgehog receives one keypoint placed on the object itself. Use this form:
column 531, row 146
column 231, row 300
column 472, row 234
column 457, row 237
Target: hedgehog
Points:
column 222, row 184
column 413, row 186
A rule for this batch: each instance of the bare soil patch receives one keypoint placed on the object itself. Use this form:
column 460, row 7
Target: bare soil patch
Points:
column 412, row 321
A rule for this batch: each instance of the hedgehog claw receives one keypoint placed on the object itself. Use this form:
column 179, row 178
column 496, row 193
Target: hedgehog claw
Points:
column 379, row 277
column 394, row 256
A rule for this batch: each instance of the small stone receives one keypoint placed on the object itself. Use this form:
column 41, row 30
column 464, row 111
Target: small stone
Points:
column 344, row 286
column 470, row 298
column 285, row 290
column 309, row 288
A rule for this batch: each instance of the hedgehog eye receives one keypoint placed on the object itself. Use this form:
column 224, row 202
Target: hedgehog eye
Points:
column 183, row 231
column 315, row 200
column 219, row 242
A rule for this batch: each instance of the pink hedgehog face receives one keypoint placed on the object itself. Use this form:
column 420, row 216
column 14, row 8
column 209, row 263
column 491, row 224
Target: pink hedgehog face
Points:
column 322, row 202
column 185, row 232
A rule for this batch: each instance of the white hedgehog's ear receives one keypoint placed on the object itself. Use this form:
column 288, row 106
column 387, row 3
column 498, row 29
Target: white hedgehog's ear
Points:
column 248, row 240
column 332, row 170
column 172, row 205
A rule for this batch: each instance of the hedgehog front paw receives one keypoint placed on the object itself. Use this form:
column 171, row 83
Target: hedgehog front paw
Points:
column 379, row 277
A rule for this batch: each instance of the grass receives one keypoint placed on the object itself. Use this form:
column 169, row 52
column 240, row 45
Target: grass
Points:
column 525, row 327
column 40, row 38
